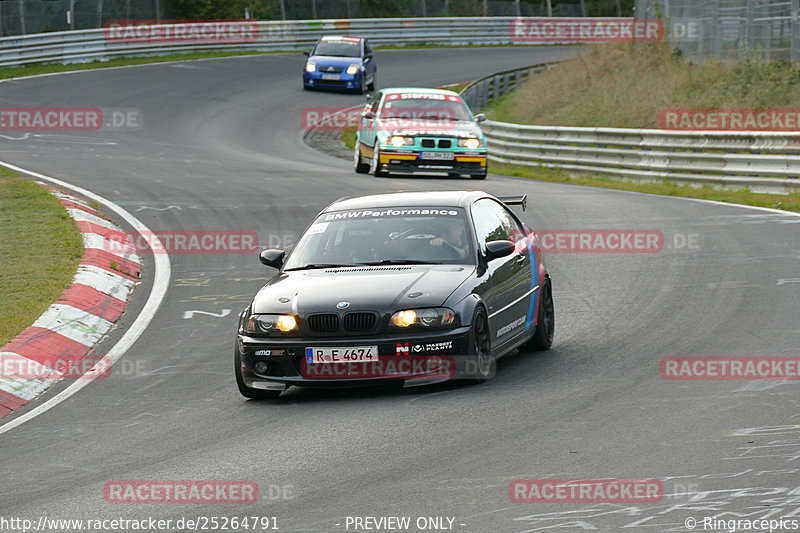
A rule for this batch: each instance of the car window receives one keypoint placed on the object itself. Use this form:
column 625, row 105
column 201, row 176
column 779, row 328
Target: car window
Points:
column 406, row 106
column 338, row 48
column 367, row 48
column 412, row 234
column 493, row 222
column 372, row 103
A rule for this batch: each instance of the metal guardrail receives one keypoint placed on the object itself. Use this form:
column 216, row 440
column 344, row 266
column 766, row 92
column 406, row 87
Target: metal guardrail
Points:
column 90, row 45
column 759, row 161
column 482, row 92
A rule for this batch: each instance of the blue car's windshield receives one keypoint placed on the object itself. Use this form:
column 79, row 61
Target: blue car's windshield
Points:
column 339, row 48
column 403, row 235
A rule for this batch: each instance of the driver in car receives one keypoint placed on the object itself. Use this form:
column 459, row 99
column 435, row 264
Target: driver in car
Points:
column 452, row 239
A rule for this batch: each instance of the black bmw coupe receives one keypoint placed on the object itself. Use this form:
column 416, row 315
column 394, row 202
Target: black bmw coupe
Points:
column 414, row 288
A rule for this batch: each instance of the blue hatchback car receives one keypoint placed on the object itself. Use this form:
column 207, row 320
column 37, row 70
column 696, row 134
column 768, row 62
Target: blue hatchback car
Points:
column 340, row 62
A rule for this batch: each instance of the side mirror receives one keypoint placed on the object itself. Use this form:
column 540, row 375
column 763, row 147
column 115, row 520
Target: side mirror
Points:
column 306, row 52
column 368, row 115
column 272, row 258
column 498, row 249
column 480, row 117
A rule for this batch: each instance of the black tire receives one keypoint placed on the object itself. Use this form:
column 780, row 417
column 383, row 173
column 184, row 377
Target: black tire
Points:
column 247, row 392
column 376, row 157
column 371, row 86
column 479, row 176
column 358, row 164
column 546, row 322
column 480, row 363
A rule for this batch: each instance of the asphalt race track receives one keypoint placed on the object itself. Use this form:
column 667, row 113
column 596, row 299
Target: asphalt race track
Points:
column 221, row 149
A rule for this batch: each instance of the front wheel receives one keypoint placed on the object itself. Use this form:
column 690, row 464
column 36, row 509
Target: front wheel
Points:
column 358, row 164
column 546, row 321
column 376, row 162
column 374, row 82
column 244, row 390
column 480, row 363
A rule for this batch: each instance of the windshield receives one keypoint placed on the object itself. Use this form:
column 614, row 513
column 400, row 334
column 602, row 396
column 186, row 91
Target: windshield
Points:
column 404, row 235
column 427, row 106
column 338, row 48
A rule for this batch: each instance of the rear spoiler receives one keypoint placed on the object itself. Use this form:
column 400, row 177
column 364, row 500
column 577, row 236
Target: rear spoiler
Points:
column 515, row 200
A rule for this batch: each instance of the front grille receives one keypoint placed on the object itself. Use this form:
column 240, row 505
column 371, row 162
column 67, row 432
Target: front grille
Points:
column 445, row 143
column 359, row 321
column 324, row 323
column 330, row 70
column 428, row 143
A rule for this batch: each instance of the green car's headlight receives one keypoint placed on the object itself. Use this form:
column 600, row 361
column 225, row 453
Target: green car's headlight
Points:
column 433, row 317
column 471, row 143
column 398, row 141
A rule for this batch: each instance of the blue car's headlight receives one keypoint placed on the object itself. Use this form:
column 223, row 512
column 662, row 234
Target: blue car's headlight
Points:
column 352, row 69
column 311, row 67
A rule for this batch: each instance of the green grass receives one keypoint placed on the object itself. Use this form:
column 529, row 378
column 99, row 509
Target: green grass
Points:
column 349, row 138
column 40, row 249
column 788, row 202
column 625, row 86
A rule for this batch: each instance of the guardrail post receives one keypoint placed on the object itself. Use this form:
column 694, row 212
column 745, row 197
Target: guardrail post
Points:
column 795, row 28
column 22, row 17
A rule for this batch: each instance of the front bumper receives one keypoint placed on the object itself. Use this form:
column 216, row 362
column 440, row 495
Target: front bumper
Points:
column 411, row 161
column 344, row 80
column 411, row 359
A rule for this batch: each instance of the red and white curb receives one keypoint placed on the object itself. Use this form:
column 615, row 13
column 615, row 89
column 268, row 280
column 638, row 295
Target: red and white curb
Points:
column 82, row 315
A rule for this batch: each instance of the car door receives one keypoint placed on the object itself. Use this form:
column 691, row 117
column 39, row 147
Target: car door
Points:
column 508, row 299
column 369, row 62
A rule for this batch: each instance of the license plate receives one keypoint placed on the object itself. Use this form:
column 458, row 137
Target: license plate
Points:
column 341, row 354
column 448, row 156
column 330, row 76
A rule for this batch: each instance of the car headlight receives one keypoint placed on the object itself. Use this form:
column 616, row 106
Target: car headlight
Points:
column 434, row 317
column 398, row 140
column 470, row 143
column 266, row 324
column 352, row 69
column 311, row 67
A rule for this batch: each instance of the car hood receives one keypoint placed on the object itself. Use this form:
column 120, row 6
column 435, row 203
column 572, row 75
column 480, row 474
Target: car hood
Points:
column 381, row 288
column 335, row 61
column 417, row 126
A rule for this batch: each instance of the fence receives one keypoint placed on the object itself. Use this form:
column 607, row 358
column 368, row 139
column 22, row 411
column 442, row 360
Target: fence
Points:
column 760, row 161
column 729, row 29
column 90, row 45
column 20, row 17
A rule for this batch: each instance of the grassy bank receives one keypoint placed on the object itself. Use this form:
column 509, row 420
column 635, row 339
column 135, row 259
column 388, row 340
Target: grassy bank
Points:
column 626, row 86
column 40, row 248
